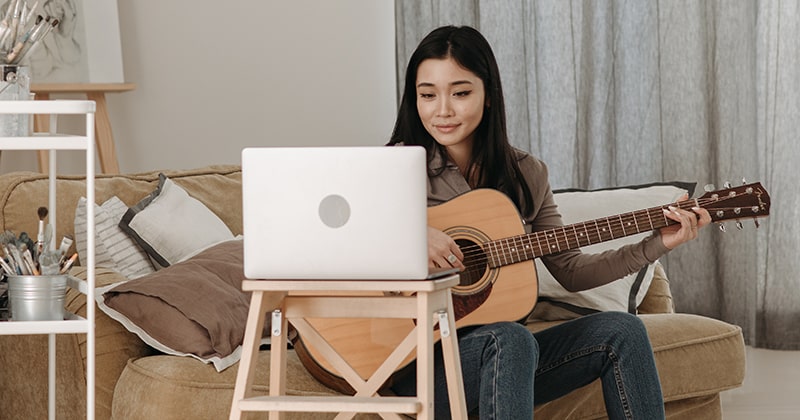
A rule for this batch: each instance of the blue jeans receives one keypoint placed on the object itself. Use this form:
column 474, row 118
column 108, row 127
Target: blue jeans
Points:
column 507, row 370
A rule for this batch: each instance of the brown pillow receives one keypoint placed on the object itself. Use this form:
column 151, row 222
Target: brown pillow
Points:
column 194, row 308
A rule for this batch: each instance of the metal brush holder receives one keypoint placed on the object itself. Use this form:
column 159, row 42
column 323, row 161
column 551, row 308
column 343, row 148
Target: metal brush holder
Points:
column 37, row 298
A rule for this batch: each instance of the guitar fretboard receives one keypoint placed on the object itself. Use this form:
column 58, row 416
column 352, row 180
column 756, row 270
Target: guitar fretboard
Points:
column 519, row 248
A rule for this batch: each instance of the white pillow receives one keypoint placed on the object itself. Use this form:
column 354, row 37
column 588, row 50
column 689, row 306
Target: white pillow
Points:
column 114, row 249
column 621, row 295
column 171, row 226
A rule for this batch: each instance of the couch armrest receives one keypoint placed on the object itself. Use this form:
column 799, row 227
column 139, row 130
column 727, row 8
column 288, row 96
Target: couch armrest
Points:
column 114, row 345
column 658, row 299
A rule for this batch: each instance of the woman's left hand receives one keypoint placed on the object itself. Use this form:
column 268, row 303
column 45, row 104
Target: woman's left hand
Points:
column 689, row 222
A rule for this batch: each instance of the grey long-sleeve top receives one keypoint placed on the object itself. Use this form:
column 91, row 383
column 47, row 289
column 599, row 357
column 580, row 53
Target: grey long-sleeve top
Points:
column 573, row 269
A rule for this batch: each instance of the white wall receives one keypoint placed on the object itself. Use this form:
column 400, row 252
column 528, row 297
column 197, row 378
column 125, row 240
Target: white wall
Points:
column 213, row 77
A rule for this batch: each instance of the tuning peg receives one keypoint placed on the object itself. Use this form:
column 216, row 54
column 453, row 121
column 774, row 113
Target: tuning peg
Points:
column 721, row 227
column 739, row 225
column 709, row 187
column 744, row 181
column 758, row 225
column 727, row 185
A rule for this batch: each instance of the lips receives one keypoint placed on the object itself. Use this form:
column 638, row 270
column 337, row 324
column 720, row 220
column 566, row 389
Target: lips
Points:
column 446, row 128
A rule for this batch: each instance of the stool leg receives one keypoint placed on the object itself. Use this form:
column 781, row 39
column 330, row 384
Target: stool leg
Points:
column 452, row 365
column 277, row 352
column 425, row 315
column 247, row 364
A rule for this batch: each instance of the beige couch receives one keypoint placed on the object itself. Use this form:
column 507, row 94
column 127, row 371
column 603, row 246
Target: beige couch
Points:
column 697, row 357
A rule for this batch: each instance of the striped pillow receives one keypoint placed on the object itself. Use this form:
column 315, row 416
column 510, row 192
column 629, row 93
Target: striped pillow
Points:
column 114, row 249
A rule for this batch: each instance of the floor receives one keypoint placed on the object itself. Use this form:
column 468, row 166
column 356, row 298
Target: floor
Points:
column 771, row 389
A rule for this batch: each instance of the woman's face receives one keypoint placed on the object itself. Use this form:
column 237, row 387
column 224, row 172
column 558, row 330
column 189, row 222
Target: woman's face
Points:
column 450, row 101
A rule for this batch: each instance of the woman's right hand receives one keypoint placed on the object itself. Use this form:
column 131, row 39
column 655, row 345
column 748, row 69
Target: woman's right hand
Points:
column 443, row 250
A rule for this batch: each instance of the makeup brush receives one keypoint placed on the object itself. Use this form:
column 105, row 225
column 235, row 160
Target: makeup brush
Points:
column 7, row 241
column 27, row 259
column 42, row 212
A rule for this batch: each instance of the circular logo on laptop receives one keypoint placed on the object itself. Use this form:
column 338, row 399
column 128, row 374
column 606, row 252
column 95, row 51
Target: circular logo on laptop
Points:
column 334, row 211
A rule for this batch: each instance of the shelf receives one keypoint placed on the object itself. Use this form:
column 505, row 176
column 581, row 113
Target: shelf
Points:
column 47, row 107
column 78, row 284
column 44, row 141
column 71, row 325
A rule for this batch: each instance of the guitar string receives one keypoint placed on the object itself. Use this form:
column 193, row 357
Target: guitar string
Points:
column 618, row 228
column 619, row 220
column 477, row 264
column 626, row 217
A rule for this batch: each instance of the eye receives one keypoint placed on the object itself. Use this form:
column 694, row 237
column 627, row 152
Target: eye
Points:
column 426, row 95
column 462, row 93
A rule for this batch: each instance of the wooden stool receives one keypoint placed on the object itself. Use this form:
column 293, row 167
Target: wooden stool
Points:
column 302, row 301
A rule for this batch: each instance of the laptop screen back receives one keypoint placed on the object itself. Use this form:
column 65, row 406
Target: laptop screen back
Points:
column 335, row 213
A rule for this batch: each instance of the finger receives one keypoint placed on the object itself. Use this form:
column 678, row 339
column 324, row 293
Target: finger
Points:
column 439, row 261
column 704, row 216
column 457, row 252
column 695, row 219
column 687, row 220
column 454, row 261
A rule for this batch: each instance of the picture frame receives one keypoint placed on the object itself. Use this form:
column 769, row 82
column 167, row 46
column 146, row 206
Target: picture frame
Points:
column 84, row 47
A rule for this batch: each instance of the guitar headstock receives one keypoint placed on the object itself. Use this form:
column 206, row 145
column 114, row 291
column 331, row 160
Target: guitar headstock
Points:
column 744, row 201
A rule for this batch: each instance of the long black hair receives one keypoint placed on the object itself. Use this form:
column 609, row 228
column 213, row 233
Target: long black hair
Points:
column 493, row 163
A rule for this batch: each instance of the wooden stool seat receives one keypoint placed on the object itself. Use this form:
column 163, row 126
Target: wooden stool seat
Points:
column 428, row 302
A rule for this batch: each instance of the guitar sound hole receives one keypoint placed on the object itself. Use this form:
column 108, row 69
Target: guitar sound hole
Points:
column 474, row 261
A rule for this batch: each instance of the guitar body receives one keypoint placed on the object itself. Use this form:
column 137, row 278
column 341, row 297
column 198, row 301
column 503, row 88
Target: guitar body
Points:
column 484, row 295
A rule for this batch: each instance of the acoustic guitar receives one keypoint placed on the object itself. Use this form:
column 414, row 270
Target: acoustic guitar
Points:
column 499, row 282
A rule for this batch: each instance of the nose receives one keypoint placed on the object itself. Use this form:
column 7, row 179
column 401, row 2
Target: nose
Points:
column 444, row 108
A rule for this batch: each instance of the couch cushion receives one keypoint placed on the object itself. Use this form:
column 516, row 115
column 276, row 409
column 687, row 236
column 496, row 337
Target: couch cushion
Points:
column 659, row 296
column 178, row 388
column 696, row 356
column 114, row 345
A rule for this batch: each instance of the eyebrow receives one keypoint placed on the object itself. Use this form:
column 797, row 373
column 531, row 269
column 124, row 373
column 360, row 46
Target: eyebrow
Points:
column 456, row 83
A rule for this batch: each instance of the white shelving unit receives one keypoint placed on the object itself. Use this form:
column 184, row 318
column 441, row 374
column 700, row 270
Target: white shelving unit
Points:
column 54, row 142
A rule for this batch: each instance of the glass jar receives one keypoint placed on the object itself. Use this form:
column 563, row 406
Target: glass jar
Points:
column 15, row 85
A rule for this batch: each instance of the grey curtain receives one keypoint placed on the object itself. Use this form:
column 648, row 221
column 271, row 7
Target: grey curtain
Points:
column 612, row 93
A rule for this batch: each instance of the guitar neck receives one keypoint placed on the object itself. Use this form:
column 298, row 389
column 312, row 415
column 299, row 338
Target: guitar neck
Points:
column 533, row 245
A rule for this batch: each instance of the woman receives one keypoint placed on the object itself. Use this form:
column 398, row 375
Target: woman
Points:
column 453, row 106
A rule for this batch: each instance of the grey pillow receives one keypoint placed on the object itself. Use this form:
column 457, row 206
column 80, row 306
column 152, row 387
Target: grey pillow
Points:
column 171, row 226
column 624, row 294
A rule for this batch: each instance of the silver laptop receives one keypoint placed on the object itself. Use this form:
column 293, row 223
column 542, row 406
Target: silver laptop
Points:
column 335, row 213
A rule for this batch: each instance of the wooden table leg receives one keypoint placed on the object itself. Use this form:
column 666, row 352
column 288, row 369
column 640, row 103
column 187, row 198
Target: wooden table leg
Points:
column 104, row 138
column 425, row 355
column 452, row 363
column 247, row 363
column 103, row 135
